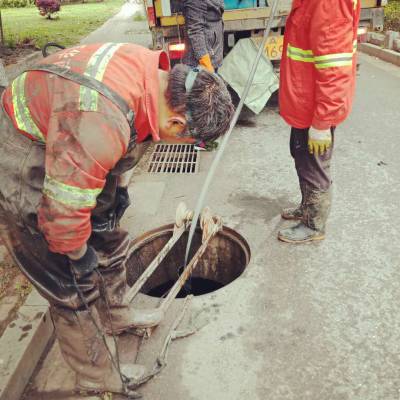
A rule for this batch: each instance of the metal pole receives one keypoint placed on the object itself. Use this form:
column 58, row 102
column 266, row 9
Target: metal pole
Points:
column 165, row 303
column 135, row 289
column 225, row 139
column 1, row 30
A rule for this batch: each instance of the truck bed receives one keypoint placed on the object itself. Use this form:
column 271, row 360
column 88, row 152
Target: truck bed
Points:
column 249, row 18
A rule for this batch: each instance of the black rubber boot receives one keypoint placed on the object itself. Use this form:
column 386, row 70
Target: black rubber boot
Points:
column 116, row 313
column 315, row 209
column 300, row 233
column 295, row 213
column 83, row 348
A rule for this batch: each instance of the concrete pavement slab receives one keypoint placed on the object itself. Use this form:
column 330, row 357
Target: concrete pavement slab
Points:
column 311, row 322
column 150, row 194
column 123, row 27
column 22, row 345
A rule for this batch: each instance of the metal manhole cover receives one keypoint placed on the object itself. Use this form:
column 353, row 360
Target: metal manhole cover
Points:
column 174, row 159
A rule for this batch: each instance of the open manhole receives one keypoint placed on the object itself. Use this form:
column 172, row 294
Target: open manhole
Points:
column 174, row 159
column 225, row 259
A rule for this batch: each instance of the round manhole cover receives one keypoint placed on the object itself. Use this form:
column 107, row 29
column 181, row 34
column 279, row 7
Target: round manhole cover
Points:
column 225, row 259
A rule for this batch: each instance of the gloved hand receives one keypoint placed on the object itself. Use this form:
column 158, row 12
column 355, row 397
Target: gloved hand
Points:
column 122, row 202
column 85, row 265
column 319, row 141
column 205, row 62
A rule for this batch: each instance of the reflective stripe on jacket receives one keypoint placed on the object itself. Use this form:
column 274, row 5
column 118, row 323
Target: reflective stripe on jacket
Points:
column 319, row 62
column 85, row 135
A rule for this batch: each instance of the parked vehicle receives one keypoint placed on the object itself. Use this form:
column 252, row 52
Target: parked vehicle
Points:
column 242, row 18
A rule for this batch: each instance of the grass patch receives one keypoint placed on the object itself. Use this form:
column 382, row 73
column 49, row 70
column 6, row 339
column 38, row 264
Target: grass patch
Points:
column 392, row 15
column 74, row 22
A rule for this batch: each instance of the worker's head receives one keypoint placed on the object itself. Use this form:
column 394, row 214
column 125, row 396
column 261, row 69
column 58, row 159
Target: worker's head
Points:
column 197, row 107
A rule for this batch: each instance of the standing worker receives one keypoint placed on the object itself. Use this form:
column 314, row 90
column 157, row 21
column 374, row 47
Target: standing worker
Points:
column 316, row 92
column 69, row 129
column 204, row 35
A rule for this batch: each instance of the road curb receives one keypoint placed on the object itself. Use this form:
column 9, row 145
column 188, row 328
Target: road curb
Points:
column 24, row 340
column 22, row 344
column 390, row 56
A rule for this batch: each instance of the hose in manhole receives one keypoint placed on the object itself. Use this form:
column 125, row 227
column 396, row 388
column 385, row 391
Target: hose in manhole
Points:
column 225, row 259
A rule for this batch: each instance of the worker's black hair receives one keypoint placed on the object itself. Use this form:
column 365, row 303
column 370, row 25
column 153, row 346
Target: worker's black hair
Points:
column 207, row 106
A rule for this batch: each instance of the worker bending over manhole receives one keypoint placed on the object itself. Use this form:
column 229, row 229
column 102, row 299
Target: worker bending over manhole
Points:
column 69, row 129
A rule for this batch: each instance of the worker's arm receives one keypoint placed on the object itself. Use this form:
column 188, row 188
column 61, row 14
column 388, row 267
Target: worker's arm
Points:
column 123, row 200
column 195, row 19
column 124, row 179
column 81, row 148
column 331, row 39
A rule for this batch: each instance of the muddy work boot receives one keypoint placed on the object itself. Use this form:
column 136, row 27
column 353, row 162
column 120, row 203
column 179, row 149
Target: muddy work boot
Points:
column 94, row 363
column 295, row 213
column 123, row 317
column 130, row 374
column 300, row 233
column 117, row 315
column 315, row 209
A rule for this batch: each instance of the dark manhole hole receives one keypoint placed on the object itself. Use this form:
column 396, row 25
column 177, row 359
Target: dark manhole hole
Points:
column 225, row 260
column 198, row 286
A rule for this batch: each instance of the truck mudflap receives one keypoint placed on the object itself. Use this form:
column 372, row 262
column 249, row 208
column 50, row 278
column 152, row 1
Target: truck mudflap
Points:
column 378, row 19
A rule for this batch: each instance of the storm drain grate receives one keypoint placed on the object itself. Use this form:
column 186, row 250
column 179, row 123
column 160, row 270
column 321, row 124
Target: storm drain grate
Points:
column 174, row 159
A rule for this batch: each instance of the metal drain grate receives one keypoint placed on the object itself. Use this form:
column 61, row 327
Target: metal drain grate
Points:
column 174, row 159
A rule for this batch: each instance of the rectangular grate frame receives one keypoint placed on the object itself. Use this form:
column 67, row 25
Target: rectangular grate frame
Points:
column 174, row 159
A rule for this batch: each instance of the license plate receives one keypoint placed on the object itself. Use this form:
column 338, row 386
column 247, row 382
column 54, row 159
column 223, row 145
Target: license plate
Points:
column 273, row 47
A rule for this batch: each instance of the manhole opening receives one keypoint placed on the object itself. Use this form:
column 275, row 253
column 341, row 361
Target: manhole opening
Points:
column 197, row 287
column 174, row 159
column 225, row 260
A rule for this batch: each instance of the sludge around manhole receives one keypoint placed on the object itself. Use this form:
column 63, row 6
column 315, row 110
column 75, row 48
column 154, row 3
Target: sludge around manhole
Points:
column 225, row 259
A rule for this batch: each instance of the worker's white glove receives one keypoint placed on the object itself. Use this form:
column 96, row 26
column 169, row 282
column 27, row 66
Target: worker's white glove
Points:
column 319, row 141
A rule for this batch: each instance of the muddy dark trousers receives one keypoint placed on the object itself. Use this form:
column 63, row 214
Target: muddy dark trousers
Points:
column 22, row 174
column 77, row 308
column 315, row 184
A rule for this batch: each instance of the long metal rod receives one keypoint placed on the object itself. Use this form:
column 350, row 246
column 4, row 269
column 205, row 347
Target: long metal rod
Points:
column 135, row 289
column 187, row 272
column 1, row 30
column 161, row 361
column 171, row 335
column 225, row 139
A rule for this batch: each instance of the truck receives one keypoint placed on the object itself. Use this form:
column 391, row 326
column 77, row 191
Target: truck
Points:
column 242, row 19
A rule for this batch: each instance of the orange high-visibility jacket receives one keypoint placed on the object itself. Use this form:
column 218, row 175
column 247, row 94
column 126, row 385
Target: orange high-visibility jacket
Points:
column 84, row 133
column 319, row 62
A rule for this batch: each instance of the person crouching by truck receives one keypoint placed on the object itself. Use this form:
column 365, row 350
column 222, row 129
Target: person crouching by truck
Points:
column 204, row 33
column 317, row 83
column 69, row 131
